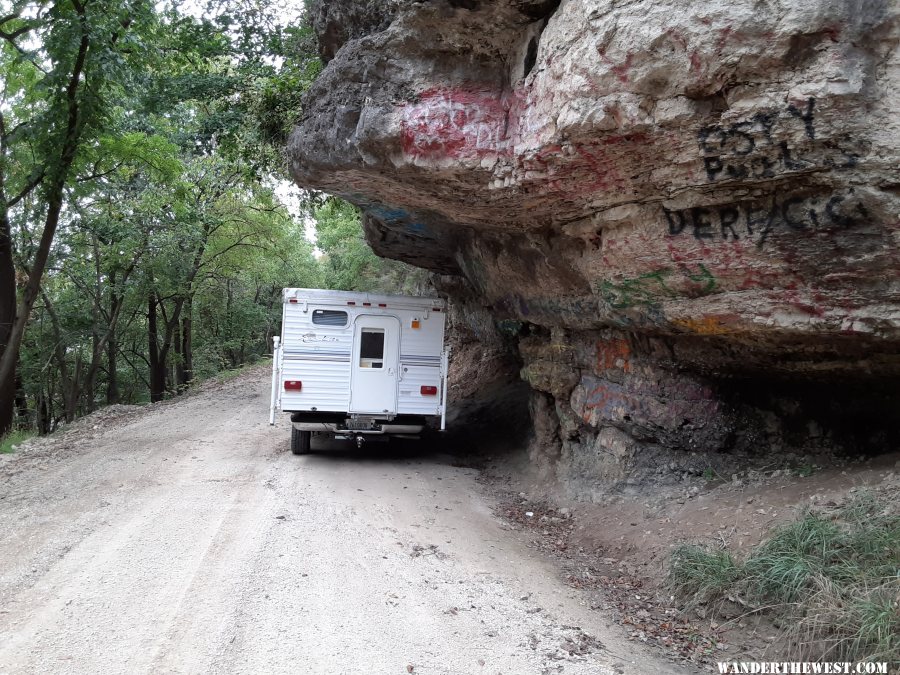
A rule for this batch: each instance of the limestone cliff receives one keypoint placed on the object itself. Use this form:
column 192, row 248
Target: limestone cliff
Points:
column 692, row 208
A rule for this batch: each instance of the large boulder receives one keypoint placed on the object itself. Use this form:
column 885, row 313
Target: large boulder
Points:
column 701, row 197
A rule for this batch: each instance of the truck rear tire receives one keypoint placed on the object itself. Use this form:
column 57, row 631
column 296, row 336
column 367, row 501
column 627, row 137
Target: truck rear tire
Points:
column 300, row 441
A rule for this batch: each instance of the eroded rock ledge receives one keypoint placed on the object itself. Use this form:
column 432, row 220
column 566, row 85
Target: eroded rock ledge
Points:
column 692, row 209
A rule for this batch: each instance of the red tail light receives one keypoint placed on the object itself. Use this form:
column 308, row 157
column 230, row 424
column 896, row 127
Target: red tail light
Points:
column 429, row 391
column 293, row 385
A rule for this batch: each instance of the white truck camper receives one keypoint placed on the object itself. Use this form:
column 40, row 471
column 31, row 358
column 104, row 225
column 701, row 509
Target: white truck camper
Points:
column 359, row 366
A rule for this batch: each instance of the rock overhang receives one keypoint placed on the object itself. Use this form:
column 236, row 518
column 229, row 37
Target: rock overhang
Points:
column 715, row 184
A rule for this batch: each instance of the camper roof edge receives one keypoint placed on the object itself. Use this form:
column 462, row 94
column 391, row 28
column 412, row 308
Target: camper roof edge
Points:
column 326, row 296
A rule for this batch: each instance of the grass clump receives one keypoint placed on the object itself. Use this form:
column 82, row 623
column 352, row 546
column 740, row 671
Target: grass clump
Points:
column 833, row 578
column 784, row 565
column 12, row 440
column 699, row 575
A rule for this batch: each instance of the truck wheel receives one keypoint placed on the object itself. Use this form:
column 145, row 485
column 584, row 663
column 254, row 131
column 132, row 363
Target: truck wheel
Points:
column 300, row 441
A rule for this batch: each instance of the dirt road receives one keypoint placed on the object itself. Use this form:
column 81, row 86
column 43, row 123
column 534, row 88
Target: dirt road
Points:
column 185, row 537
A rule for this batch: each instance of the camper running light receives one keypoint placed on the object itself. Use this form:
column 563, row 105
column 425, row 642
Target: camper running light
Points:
column 429, row 391
column 415, row 323
column 293, row 385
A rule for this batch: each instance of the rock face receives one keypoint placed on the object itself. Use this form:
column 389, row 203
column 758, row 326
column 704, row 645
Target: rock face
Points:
column 691, row 208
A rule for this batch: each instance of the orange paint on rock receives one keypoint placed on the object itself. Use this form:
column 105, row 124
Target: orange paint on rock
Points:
column 613, row 354
column 707, row 325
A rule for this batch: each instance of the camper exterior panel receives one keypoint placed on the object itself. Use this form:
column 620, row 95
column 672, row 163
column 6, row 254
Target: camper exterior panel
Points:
column 411, row 401
column 319, row 357
column 422, row 345
column 326, row 385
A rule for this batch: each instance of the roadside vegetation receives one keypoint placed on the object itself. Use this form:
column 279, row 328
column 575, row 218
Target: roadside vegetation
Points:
column 145, row 236
column 830, row 579
column 11, row 441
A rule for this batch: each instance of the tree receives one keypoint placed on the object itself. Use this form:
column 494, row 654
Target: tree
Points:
column 141, row 242
column 53, row 101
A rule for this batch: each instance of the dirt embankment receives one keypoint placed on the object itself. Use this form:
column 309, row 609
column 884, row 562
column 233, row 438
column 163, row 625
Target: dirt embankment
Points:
column 618, row 551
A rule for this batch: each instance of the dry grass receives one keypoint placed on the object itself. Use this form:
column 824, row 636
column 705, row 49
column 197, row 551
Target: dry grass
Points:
column 833, row 577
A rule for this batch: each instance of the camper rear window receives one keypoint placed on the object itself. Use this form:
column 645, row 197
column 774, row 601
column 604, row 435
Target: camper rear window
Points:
column 329, row 317
column 371, row 348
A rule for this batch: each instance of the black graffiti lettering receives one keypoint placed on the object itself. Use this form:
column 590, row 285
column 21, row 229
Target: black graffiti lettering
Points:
column 745, row 140
column 703, row 138
column 799, row 214
column 767, row 121
column 728, row 216
column 677, row 221
column 762, row 167
column 836, row 215
column 848, row 160
column 713, row 167
column 765, row 219
column 736, row 171
column 702, row 223
column 807, row 116
column 789, row 217
column 789, row 161
column 813, row 216
column 768, row 143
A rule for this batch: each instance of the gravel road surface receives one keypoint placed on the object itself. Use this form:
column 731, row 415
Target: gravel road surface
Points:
column 186, row 538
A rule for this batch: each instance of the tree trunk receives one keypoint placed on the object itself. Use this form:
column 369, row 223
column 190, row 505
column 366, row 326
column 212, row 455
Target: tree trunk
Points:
column 112, row 346
column 72, row 393
column 156, row 360
column 112, row 378
column 55, row 194
column 187, row 345
column 67, row 384
column 21, row 399
column 7, row 318
column 178, row 365
column 42, row 415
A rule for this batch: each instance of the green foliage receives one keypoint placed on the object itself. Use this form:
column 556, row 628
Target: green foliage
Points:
column 783, row 567
column 349, row 263
column 834, row 578
column 160, row 143
column 166, row 201
column 700, row 575
column 11, row 441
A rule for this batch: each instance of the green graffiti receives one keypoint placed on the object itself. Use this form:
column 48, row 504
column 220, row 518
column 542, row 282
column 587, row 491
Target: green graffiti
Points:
column 704, row 277
column 648, row 289
column 643, row 290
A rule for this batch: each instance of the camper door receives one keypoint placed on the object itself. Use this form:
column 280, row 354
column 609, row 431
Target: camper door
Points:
column 375, row 365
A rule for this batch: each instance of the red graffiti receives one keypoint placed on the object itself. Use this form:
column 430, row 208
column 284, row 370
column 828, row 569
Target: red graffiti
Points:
column 619, row 69
column 457, row 123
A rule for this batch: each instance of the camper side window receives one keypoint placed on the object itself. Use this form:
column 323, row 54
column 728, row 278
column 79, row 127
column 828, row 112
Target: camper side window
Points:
column 329, row 317
column 371, row 348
